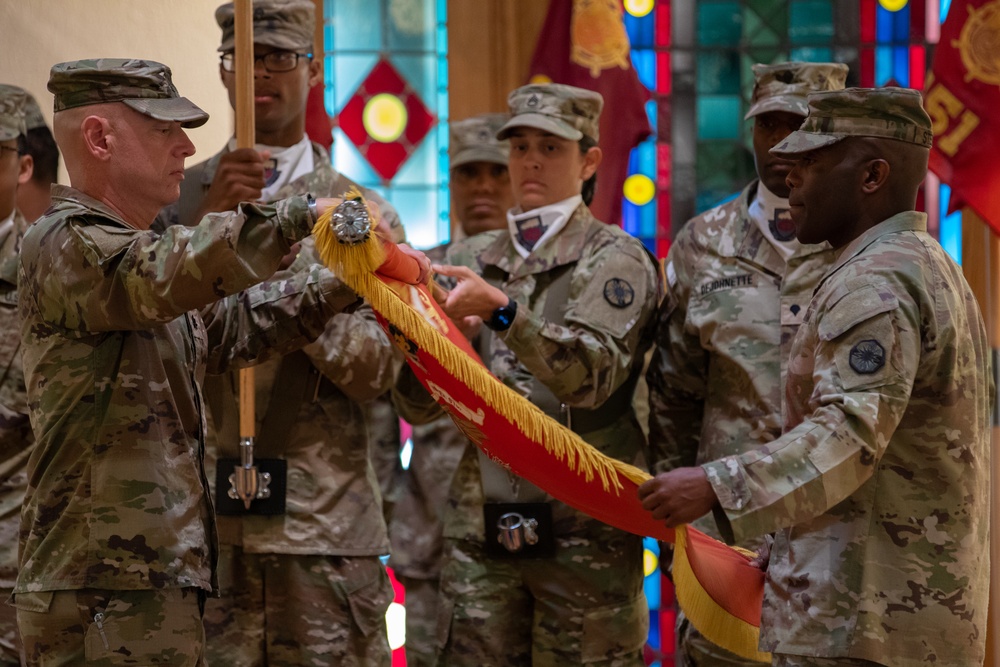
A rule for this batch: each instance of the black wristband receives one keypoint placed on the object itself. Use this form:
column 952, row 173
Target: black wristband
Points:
column 503, row 317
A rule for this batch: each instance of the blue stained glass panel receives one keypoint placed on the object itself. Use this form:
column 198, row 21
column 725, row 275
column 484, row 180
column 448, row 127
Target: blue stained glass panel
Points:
column 640, row 30
column 950, row 226
column 883, row 64
column 344, row 73
column 350, row 162
column 418, row 210
column 718, row 72
column 421, row 73
column 421, row 168
column 355, row 25
column 644, row 63
column 410, row 25
column 901, row 65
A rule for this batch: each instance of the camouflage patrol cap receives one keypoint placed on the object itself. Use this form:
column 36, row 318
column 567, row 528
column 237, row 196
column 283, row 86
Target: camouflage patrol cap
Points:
column 33, row 118
column 475, row 140
column 143, row 85
column 888, row 113
column 283, row 24
column 786, row 86
column 565, row 111
column 12, row 101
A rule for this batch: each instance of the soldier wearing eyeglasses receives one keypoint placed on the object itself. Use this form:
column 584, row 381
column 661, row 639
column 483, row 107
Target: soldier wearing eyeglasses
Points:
column 300, row 584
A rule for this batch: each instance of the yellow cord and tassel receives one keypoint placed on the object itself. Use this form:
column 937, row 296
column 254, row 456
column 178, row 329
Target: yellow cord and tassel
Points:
column 355, row 265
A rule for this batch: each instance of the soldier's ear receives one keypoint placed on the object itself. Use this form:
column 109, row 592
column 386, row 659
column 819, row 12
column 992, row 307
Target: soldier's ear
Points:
column 591, row 160
column 95, row 131
column 315, row 72
column 876, row 174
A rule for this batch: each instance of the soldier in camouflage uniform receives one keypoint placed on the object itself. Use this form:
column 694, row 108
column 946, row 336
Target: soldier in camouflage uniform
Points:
column 120, row 325
column 306, row 586
column 878, row 487
column 16, row 440
column 35, row 195
column 567, row 301
column 480, row 197
column 738, row 283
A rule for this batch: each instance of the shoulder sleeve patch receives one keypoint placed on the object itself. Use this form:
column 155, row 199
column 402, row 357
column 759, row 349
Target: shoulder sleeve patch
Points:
column 619, row 293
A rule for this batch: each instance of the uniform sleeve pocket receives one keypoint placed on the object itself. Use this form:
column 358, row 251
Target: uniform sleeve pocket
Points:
column 861, row 332
column 614, row 630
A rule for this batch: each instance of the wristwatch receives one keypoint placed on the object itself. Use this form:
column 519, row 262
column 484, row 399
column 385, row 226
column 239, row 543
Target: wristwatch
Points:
column 311, row 205
column 503, row 317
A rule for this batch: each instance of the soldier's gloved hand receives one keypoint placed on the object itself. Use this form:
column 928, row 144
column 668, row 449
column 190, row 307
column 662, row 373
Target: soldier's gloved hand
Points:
column 239, row 177
column 678, row 496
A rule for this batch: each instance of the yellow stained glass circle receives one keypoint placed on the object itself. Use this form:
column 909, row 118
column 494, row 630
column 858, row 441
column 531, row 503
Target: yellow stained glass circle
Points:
column 639, row 189
column 540, row 78
column 893, row 5
column 649, row 562
column 384, row 117
column 638, row 7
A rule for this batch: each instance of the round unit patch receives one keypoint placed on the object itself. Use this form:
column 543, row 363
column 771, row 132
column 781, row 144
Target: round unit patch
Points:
column 867, row 356
column 619, row 293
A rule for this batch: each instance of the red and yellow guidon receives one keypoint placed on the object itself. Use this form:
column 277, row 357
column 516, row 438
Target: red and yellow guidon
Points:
column 977, row 44
column 598, row 36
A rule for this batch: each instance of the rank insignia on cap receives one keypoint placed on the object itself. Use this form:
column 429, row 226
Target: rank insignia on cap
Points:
column 619, row 293
column 867, row 356
column 533, row 101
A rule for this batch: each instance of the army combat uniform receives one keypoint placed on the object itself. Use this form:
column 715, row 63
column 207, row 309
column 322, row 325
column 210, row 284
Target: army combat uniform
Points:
column 879, row 486
column 118, row 534
column 16, row 439
column 325, row 576
column 735, row 299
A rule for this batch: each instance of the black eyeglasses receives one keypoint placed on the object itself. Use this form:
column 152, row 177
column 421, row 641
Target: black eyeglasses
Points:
column 275, row 61
column 9, row 148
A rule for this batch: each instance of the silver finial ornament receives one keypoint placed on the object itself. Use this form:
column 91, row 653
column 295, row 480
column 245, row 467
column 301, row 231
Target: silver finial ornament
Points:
column 350, row 222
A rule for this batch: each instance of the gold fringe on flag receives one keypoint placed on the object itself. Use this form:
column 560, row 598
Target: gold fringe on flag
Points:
column 356, row 266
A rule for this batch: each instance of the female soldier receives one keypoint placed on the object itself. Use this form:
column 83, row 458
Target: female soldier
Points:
column 566, row 301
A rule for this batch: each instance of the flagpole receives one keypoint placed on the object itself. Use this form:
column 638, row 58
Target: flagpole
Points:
column 246, row 474
column 981, row 266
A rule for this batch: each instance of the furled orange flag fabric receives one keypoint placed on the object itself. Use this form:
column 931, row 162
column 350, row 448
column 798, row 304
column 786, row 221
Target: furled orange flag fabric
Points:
column 584, row 44
column 716, row 586
column 962, row 97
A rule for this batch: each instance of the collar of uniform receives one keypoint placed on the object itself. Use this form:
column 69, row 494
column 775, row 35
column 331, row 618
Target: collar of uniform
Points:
column 907, row 221
column 750, row 243
column 66, row 197
column 564, row 248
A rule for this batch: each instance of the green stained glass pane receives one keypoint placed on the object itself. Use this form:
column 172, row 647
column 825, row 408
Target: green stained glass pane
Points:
column 812, row 54
column 765, row 22
column 357, row 25
column 719, row 72
column 410, row 24
column 719, row 116
column 810, row 22
column 719, row 23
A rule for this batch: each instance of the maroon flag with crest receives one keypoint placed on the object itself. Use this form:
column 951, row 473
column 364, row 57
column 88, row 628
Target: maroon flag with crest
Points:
column 962, row 97
column 584, row 44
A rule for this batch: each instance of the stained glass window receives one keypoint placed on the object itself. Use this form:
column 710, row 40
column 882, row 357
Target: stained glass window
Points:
column 695, row 58
column 386, row 83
